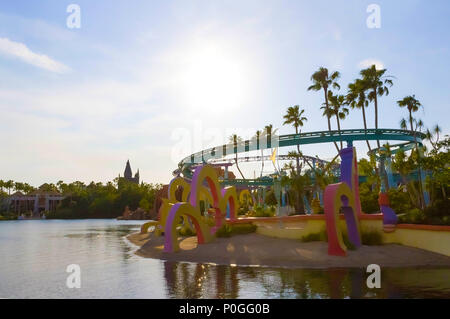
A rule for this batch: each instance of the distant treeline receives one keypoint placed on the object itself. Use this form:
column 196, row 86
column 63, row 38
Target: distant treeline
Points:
column 95, row 200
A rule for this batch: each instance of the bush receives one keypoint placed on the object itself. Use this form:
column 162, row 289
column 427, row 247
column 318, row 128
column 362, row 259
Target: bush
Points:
column 311, row 237
column 240, row 229
column 64, row 213
column 321, row 236
column 263, row 212
column 414, row 216
column 186, row 232
column 399, row 201
column 369, row 199
column 224, row 231
column 371, row 238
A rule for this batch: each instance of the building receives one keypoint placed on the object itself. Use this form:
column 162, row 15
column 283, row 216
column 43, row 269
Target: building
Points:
column 36, row 202
column 128, row 174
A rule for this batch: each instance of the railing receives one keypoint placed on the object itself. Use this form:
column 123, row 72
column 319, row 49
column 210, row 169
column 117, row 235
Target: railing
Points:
column 304, row 138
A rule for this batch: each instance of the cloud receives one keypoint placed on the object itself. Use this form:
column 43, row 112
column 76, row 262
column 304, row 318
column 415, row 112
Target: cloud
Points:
column 22, row 52
column 369, row 62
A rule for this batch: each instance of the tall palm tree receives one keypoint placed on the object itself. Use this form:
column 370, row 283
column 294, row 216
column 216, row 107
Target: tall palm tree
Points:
column 431, row 136
column 8, row 185
column 337, row 103
column 258, row 136
column 235, row 139
column 356, row 98
column 412, row 104
column 295, row 117
column 376, row 83
column 322, row 80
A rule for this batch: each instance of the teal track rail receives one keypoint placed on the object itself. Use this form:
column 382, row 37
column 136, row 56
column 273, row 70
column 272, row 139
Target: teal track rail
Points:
column 348, row 136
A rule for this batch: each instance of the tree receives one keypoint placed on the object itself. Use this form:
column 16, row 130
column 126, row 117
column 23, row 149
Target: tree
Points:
column 294, row 116
column 235, row 139
column 376, row 83
column 432, row 136
column 9, row 185
column 412, row 104
column 336, row 109
column 356, row 98
column 323, row 81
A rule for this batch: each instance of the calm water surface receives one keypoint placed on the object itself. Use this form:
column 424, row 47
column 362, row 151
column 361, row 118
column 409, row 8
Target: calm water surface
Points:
column 34, row 256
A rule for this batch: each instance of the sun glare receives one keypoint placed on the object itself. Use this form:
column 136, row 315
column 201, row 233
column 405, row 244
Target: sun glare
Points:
column 213, row 79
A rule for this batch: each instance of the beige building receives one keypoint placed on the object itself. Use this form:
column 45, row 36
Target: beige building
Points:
column 37, row 202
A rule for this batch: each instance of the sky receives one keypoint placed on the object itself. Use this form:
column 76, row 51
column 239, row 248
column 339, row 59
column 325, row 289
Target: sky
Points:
column 153, row 81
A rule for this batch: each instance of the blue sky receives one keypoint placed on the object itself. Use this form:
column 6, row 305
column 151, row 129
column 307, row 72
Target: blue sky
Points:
column 151, row 81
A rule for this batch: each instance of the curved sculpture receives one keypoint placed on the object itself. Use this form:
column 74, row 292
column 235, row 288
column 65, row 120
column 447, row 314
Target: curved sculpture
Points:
column 220, row 199
column 170, row 233
column 343, row 196
column 340, row 196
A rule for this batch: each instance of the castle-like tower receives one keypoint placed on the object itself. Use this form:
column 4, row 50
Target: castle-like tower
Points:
column 128, row 174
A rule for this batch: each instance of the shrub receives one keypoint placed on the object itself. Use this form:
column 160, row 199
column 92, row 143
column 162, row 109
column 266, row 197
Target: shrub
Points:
column 311, row 237
column 186, row 232
column 371, row 238
column 321, row 236
column 399, row 201
column 224, row 231
column 369, row 199
column 414, row 216
column 240, row 229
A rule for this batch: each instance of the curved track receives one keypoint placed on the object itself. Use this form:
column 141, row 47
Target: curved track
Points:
column 217, row 154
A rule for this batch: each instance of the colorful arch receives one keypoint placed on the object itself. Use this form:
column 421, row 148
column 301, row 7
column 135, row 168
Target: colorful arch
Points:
column 179, row 210
column 339, row 196
column 220, row 198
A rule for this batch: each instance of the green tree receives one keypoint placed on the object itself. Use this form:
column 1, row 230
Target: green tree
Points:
column 336, row 109
column 322, row 80
column 412, row 104
column 295, row 117
column 376, row 83
column 235, row 139
column 356, row 98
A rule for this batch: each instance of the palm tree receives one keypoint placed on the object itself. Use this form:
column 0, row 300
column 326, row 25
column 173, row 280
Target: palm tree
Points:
column 266, row 133
column 377, row 84
column 337, row 103
column 257, row 136
column 430, row 136
column 294, row 116
column 8, row 185
column 323, row 81
column 412, row 104
column 235, row 139
column 356, row 98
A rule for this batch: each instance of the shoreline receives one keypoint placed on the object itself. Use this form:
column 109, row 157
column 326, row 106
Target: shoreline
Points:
column 254, row 250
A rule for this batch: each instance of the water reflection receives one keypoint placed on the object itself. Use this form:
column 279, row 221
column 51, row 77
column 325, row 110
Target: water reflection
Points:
column 187, row 280
column 36, row 254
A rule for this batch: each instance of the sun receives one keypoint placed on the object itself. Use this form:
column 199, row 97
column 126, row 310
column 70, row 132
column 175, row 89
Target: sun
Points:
column 213, row 79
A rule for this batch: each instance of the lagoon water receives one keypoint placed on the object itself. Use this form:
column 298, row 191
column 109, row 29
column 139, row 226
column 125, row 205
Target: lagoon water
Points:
column 34, row 256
